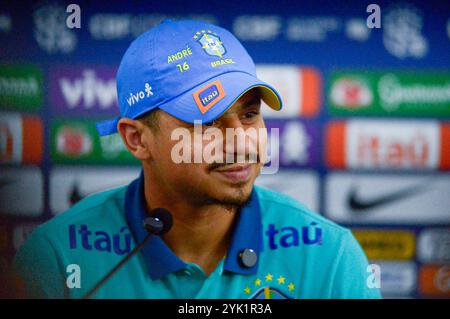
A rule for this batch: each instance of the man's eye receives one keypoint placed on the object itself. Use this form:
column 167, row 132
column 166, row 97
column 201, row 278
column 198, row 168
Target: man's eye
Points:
column 251, row 114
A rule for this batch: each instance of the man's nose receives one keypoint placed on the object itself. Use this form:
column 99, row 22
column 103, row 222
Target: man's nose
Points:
column 236, row 141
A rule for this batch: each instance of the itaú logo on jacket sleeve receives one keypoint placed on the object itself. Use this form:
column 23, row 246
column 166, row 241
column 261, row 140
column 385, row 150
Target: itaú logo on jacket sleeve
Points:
column 377, row 144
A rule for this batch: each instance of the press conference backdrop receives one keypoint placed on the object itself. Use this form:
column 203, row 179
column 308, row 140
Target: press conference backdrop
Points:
column 364, row 135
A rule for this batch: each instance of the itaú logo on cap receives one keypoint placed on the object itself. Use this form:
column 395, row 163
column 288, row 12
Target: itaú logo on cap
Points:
column 209, row 95
column 136, row 97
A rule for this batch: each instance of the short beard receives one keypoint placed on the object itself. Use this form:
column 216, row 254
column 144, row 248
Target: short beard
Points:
column 240, row 200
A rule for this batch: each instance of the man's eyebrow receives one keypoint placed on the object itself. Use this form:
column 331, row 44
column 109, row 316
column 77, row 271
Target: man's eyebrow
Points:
column 254, row 100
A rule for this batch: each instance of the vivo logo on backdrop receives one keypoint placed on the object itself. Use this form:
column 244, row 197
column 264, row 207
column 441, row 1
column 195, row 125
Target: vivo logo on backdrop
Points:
column 85, row 90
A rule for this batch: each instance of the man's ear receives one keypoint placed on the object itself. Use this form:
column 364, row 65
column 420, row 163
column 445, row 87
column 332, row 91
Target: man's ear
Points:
column 132, row 133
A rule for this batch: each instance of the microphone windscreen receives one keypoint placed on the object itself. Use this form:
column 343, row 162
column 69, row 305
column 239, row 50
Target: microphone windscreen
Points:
column 165, row 217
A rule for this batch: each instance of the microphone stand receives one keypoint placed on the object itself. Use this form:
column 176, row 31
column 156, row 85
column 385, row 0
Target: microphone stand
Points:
column 158, row 224
column 118, row 266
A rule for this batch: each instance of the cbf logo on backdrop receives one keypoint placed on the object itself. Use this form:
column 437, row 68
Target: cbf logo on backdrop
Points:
column 211, row 43
column 50, row 29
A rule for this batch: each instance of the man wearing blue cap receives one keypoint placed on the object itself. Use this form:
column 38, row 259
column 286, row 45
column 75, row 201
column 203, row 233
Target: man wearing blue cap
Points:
column 230, row 239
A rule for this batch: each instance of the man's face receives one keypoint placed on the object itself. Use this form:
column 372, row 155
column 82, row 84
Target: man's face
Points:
column 210, row 182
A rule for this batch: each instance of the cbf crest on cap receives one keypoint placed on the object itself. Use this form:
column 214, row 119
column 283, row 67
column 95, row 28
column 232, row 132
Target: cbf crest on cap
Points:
column 212, row 44
column 190, row 69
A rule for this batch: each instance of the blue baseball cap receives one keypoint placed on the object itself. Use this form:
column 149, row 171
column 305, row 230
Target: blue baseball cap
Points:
column 190, row 69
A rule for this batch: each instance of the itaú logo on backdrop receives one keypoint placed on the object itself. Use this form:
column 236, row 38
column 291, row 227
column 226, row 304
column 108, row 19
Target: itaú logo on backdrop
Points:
column 388, row 144
column 393, row 152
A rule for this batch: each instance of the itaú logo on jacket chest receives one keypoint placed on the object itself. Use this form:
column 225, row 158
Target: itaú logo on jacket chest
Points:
column 82, row 237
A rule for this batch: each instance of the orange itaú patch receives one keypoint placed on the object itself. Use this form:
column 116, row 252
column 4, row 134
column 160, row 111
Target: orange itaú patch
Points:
column 207, row 96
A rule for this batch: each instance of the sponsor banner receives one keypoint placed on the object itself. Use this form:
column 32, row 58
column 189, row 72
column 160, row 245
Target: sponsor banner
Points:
column 388, row 198
column 21, row 233
column 378, row 144
column 79, row 142
column 302, row 186
column 435, row 280
column 21, row 87
column 69, row 185
column 269, row 34
column 298, row 142
column 300, row 89
column 403, row 93
column 433, row 245
column 385, row 244
column 397, row 278
column 83, row 90
column 21, row 139
column 108, row 26
column 21, row 191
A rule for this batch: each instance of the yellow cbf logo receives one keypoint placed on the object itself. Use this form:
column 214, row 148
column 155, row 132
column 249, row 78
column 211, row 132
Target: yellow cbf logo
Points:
column 270, row 287
column 210, row 42
column 209, row 95
column 386, row 244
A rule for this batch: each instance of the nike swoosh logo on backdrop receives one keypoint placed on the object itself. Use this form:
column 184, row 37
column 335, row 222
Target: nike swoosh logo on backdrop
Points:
column 76, row 195
column 358, row 204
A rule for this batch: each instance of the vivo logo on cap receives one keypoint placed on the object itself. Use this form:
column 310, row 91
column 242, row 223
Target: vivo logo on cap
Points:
column 134, row 98
column 208, row 96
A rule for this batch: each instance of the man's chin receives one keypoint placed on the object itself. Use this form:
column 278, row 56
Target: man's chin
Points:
column 224, row 192
column 234, row 196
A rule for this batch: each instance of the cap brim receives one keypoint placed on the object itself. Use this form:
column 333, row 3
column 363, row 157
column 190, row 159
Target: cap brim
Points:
column 189, row 108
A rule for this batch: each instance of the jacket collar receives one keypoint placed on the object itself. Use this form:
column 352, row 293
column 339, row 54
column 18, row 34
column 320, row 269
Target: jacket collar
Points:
column 159, row 258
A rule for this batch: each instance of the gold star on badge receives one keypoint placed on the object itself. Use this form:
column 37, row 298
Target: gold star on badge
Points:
column 195, row 37
column 281, row 280
column 291, row 286
column 258, row 282
column 247, row 290
column 269, row 277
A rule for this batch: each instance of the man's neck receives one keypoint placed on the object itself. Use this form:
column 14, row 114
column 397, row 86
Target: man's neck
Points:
column 200, row 234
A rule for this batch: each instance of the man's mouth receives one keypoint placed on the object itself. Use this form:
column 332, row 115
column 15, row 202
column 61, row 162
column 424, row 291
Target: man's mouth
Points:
column 235, row 173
